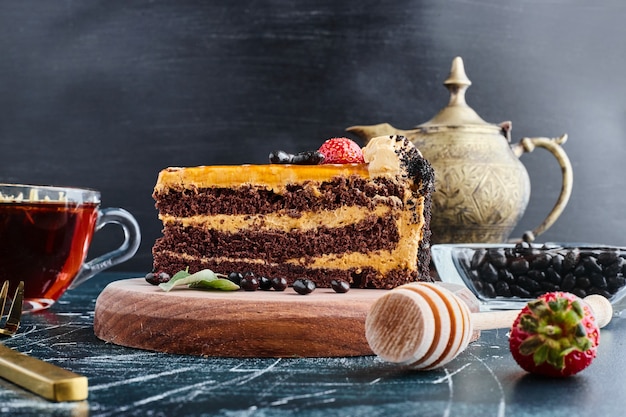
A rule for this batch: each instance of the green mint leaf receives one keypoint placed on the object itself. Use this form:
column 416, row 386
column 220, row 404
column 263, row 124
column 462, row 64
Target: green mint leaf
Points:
column 204, row 279
column 215, row 284
column 175, row 280
column 180, row 274
column 166, row 286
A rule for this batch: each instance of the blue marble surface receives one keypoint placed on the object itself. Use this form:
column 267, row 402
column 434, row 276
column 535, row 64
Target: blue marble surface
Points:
column 483, row 381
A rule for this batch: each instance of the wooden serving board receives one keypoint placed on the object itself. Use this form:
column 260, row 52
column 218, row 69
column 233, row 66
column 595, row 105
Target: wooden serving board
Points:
column 234, row 323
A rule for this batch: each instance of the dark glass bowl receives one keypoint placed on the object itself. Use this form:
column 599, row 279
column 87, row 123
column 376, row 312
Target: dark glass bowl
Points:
column 507, row 276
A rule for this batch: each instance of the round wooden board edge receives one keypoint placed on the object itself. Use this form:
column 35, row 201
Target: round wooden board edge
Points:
column 133, row 313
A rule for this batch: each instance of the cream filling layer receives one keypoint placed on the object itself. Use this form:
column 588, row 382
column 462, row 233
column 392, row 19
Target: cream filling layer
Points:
column 279, row 221
column 382, row 261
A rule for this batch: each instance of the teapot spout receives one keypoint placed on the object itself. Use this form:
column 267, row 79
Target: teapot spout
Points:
column 371, row 131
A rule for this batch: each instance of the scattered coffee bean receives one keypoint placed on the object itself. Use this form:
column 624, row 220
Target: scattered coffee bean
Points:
column 235, row 277
column 279, row 284
column 249, row 283
column 156, row 278
column 340, row 286
column 303, row 286
column 265, row 283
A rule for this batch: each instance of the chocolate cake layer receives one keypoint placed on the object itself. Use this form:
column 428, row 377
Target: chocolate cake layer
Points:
column 370, row 235
column 308, row 196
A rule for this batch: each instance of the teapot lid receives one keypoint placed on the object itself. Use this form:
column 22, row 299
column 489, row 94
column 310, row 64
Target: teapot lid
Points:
column 457, row 112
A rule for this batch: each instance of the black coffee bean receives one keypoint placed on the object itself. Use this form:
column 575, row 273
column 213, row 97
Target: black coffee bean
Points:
column 340, row 286
column 536, row 275
column 592, row 265
column 497, row 257
column 553, row 276
column 528, row 284
column 506, row 276
column 279, row 284
column 541, row 261
column 249, row 283
column 519, row 266
column 265, row 283
column 570, row 261
column 488, row 273
column 307, row 158
column 488, row 290
column 597, row 280
column 547, row 286
column 613, row 268
column 518, row 291
column 478, row 258
column 583, row 282
column 280, row 157
column 569, row 282
column 474, row 275
column 235, row 277
column 156, row 278
column 502, row 289
column 580, row 270
column 608, row 257
column 615, row 283
column 303, row 286
column 557, row 262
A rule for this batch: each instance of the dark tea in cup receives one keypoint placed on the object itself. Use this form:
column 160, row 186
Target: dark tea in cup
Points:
column 45, row 233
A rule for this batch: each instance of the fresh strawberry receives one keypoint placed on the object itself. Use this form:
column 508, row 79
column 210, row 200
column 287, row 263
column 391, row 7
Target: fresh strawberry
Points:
column 555, row 335
column 341, row 151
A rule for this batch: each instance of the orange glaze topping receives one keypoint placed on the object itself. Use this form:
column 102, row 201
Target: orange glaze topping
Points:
column 270, row 175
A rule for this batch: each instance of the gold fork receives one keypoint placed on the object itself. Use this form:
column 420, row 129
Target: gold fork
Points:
column 39, row 377
column 15, row 312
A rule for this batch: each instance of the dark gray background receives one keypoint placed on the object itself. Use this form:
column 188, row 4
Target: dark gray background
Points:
column 104, row 94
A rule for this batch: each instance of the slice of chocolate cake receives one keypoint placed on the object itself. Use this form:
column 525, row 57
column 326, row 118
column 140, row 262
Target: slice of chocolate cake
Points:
column 367, row 224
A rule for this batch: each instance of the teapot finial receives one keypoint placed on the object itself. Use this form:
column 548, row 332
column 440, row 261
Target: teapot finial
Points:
column 457, row 112
column 457, row 73
column 457, row 82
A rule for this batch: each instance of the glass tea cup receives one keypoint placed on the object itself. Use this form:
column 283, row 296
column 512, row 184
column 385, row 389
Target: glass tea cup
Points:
column 45, row 234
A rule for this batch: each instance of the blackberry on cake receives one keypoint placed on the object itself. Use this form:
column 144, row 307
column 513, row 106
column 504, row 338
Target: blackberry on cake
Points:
column 364, row 223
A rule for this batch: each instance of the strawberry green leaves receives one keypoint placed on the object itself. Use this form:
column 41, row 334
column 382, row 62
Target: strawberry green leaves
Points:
column 555, row 335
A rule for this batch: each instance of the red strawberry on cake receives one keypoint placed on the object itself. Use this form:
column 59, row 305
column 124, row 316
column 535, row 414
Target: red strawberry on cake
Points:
column 341, row 151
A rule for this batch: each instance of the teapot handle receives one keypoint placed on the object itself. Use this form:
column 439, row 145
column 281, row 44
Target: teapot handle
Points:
column 554, row 146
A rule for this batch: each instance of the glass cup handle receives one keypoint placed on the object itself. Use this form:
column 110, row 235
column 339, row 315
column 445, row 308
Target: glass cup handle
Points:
column 132, row 239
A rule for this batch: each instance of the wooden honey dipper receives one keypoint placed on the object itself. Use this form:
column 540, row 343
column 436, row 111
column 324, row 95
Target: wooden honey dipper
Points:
column 424, row 325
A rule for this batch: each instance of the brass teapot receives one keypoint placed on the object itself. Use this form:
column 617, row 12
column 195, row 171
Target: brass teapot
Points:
column 481, row 187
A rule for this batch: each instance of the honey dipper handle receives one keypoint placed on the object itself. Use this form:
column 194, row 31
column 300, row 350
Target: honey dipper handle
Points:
column 601, row 307
column 494, row 319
